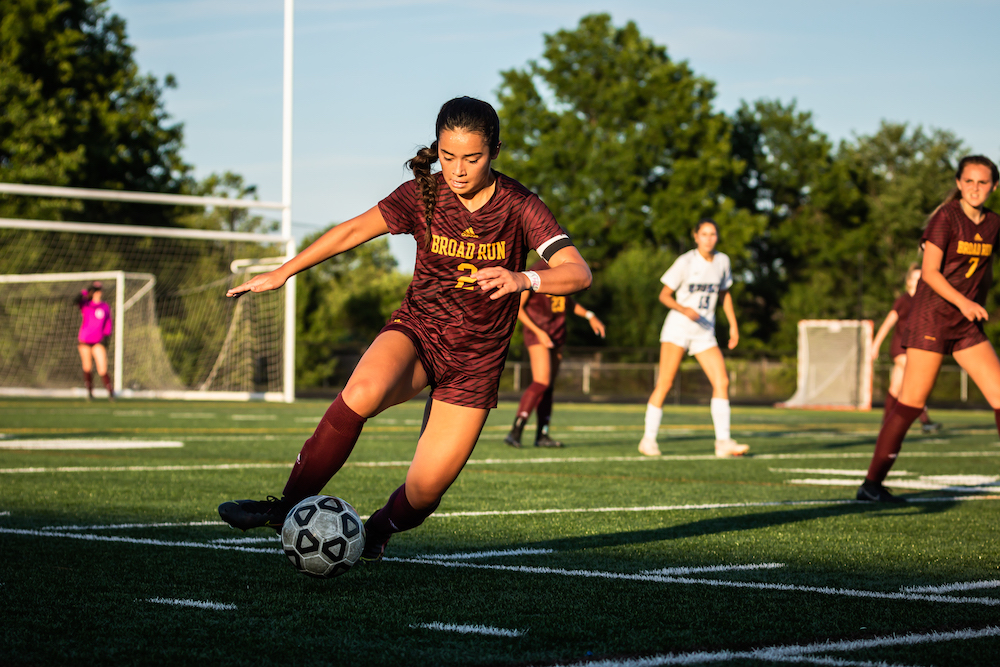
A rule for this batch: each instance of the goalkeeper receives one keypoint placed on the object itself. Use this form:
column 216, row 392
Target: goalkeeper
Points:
column 94, row 329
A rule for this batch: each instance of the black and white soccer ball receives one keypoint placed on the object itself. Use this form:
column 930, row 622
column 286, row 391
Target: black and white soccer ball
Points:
column 323, row 536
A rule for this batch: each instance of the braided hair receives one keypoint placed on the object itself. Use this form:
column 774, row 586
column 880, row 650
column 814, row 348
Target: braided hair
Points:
column 461, row 113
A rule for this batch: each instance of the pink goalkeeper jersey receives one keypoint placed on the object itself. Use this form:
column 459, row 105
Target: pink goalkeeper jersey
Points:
column 96, row 322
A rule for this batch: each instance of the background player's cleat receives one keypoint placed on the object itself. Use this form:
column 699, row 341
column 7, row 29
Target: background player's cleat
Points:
column 728, row 448
column 247, row 514
column 545, row 441
column 931, row 427
column 513, row 440
column 876, row 493
column 648, row 447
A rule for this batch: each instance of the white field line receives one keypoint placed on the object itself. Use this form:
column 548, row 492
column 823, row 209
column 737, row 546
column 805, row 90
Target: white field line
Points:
column 489, row 554
column 805, row 653
column 254, row 418
column 655, row 578
column 248, row 540
column 674, row 571
column 948, row 588
column 133, row 540
column 834, row 471
column 69, row 445
column 193, row 603
column 519, row 461
column 915, row 484
column 470, row 629
column 192, row 415
column 120, row 526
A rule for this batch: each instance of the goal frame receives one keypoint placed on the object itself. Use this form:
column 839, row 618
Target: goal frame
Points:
column 865, row 366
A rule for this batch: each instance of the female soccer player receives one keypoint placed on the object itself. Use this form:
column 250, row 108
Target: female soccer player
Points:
column 543, row 317
column 95, row 327
column 474, row 228
column 691, row 290
column 897, row 318
column 948, row 313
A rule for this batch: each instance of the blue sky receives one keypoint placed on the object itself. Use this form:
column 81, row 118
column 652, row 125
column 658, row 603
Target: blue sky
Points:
column 370, row 76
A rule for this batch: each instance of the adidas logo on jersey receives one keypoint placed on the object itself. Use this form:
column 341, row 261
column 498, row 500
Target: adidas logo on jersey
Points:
column 470, row 234
column 978, row 237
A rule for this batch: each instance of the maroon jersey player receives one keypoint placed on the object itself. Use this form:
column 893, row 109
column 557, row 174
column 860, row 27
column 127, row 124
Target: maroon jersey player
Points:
column 896, row 322
column 543, row 317
column 948, row 313
column 474, row 228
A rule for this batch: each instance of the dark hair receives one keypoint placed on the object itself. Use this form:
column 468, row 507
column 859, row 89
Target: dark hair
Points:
column 703, row 222
column 955, row 194
column 461, row 113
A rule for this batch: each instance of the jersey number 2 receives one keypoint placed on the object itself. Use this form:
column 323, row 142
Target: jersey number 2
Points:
column 466, row 282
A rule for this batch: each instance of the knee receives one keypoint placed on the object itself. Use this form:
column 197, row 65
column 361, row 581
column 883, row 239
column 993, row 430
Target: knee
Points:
column 363, row 395
column 422, row 494
column 722, row 383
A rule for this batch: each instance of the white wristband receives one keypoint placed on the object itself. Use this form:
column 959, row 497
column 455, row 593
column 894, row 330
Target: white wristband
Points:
column 536, row 282
column 589, row 314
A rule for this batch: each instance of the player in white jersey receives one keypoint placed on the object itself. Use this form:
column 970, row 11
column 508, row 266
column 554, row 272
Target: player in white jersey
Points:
column 691, row 290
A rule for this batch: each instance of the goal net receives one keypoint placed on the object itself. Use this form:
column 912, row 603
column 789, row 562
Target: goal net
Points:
column 834, row 365
column 175, row 335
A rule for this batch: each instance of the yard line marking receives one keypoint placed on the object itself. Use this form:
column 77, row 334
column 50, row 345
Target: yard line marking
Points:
column 253, row 418
column 247, row 540
column 192, row 415
column 470, row 629
column 914, row 484
column 118, row 526
column 68, row 445
column 643, row 576
column 834, row 471
column 133, row 540
column 671, row 571
column 193, row 603
column 489, row 554
column 947, row 588
column 795, row 653
column 214, row 466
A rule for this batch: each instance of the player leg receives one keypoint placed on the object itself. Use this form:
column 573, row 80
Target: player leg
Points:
column 544, row 413
column 714, row 365
column 446, row 444
column 981, row 363
column 921, row 373
column 895, row 384
column 541, row 370
column 670, row 361
column 87, row 361
column 101, row 363
column 389, row 373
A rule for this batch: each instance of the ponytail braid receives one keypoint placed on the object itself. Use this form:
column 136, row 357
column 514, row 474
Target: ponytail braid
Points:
column 420, row 165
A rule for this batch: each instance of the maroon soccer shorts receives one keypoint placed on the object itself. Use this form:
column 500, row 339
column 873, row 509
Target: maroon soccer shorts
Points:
column 944, row 340
column 449, row 384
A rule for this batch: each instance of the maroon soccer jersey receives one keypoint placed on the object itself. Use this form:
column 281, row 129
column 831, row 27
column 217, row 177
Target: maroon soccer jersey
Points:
column 469, row 331
column 967, row 266
column 548, row 312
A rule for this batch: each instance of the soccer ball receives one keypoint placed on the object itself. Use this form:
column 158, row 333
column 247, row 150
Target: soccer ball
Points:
column 323, row 536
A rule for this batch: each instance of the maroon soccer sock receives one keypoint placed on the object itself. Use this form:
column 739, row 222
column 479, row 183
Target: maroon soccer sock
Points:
column 88, row 382
column 924, row 417
column 107, row 383
column 890, row 401
column 890, row 440
column 544, row 408
column 530, row 399
column 325, row 452
column 397, row 515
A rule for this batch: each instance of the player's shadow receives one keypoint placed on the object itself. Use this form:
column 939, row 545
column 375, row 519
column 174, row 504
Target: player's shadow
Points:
column 736, row 523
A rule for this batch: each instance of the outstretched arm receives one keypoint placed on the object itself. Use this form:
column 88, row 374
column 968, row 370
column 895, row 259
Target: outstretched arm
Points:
column 343, row 237
column 883, row 331
column 595, row 323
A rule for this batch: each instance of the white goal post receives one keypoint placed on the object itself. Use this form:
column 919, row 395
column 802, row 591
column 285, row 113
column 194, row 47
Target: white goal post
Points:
column 834, row 365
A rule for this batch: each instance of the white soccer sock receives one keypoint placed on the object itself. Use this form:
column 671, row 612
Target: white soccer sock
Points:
column 653, row 417
column 720, row 418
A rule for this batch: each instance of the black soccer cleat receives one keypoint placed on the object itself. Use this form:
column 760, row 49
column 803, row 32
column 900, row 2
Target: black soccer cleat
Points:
column 247, row 514
column 545, row 441
column 513, row 439
column 874, row 492
column 931, row 427
column 374, row 547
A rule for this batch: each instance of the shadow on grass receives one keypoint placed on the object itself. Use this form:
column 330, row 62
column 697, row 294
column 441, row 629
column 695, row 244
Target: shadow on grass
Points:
column 736, row 523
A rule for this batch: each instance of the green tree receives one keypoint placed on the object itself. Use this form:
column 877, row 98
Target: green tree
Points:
column 622, row 143
column 342, row 304
column 77, row 112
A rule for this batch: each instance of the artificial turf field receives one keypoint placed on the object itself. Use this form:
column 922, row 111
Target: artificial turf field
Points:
column 589, row 555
